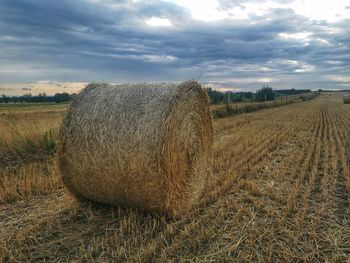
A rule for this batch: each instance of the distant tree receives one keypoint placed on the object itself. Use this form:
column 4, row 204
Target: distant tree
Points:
column 215, row 96
column 61, row 97
column 286, row 92
column 42, row 97
column 247, row 95
column 228, row 97
column 5, row 98
column 27, row 97
column 266, row 93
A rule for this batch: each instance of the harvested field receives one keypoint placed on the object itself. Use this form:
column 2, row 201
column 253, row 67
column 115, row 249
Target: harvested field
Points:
column 279, row 193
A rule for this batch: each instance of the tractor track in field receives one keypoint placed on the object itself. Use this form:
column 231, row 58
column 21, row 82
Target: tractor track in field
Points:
column 341, row 191
column 318, row 213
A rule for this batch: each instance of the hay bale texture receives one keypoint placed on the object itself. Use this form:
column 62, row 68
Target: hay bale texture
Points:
column 140, row 145
column 346, row 98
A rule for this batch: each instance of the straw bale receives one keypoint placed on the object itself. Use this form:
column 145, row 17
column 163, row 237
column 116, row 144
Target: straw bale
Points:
column 140, row 145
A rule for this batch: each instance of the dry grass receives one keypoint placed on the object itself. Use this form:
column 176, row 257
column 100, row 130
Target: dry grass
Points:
column 22, row 131
column 279, row 193
column 29, row 179
column 26, row 165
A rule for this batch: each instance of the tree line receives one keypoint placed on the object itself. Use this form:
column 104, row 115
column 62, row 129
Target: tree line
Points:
column 266, row 93
column 42, row 97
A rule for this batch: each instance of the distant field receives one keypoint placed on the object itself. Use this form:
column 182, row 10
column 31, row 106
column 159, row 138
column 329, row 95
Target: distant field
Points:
column 23, row 127
column 279, row 192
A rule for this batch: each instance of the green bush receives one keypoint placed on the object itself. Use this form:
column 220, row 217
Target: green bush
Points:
column 50, row 142
column 266, row 93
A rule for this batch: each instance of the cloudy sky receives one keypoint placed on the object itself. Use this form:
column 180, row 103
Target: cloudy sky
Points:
column 241, row 44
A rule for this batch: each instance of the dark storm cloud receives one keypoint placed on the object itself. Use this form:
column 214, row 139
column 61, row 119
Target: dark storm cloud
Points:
column 110, row 41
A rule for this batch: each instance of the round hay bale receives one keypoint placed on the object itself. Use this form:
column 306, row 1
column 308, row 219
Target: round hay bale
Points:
column 346, row 98
column 140, row 145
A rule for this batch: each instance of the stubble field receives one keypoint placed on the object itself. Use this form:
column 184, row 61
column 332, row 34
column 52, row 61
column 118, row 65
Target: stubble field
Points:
column 279, row 192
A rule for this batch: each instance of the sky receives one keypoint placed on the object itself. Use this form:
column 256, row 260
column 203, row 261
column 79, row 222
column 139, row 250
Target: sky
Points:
column 55, row 46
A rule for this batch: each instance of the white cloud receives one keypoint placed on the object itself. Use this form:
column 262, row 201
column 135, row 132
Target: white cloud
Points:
column 245, row 80
column 203, row 10
column 345, row 79
column 302, row 36
column 210, row 10
column 157, row 21
column 296, row 66
column 331, row 11
column 159, row 58
column 145, row 57
column 334, row 62
column 305, row 68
